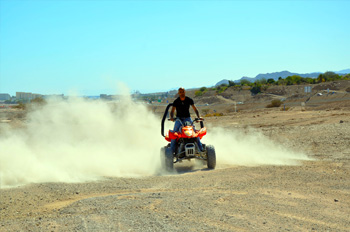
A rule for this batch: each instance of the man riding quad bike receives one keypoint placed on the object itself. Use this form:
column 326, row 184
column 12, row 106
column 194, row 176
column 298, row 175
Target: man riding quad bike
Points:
column 185, row 139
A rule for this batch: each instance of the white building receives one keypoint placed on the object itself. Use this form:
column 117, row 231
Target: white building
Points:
column 4, row 96
column 26, row 96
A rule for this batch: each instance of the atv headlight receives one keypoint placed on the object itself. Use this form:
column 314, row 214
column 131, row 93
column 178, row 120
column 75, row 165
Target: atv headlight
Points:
column 188, row 133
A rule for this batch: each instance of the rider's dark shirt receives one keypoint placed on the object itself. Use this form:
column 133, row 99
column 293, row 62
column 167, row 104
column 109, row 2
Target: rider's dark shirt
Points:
column 183, row 107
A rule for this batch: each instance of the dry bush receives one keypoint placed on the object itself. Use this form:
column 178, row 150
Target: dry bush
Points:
column 205, row 111
column 20, row 106
column 214, row 115
column 38, row 101
column 274, row 103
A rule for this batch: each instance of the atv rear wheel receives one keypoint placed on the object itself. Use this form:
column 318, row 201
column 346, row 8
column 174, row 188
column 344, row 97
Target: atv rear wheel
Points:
column 162, row 155
column 168, row 159
column 211, row 157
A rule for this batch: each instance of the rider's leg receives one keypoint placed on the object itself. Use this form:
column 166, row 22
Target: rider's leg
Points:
column 198, row 139
column 200, row 146
column 187, row 120
column 173, row 141
column 172, row 145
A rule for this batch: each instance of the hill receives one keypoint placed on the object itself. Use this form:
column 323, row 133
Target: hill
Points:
column 276, row 75
column 283, row 74
column 345, row 71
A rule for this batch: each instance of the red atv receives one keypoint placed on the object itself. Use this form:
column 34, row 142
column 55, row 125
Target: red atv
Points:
column 186, row 144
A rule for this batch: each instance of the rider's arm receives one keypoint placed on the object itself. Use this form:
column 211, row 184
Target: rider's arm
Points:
column 196, row 111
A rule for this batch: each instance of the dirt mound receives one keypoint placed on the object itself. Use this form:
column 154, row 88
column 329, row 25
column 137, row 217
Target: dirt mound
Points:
column 330, row 86
column 210, row 100
column 279, row 90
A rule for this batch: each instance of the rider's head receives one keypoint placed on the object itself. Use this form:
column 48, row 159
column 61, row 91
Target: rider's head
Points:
column 181, row 92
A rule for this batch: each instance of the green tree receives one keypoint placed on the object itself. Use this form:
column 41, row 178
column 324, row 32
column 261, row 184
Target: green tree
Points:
column 331, row 76
column 328, row 76
column 221, row 88
column 309, row 80
column 201, row 91
column 271, row 81
column 231, row 83
column 256, row 89
column 346, row 77
column 38, row 100
column 245, row 82
column 320, row 78
column 295, row 79
column 262, row 81
column 281, row 81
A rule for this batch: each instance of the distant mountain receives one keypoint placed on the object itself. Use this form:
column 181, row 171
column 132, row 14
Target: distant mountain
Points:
column 251, row 79
column 224, row 81
column 284, row 74
column 276, row 75
column 345, row 71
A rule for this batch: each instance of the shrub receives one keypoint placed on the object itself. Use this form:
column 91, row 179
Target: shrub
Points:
column 256, row 89
column 36, row 103
column 221, row 89
column 274, row 103
column 270, row 81
column 20, row 106
column 200, row 92
column 285, row 109
column 214, row 115
column 38, row 100
column 205, row 111
column 218, row 114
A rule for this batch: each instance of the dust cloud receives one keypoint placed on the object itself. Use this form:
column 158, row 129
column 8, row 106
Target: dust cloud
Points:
column 250, row 148
column 76, row 140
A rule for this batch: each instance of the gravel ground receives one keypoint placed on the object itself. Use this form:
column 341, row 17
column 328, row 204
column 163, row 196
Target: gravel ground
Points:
column 314, row 196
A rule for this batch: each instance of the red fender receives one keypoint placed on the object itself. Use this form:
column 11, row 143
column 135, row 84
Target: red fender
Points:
column 171, row 135
column 201, row 132
column 175, row 135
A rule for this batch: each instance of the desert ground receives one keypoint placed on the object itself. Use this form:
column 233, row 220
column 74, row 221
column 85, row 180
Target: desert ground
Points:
column 311, row 196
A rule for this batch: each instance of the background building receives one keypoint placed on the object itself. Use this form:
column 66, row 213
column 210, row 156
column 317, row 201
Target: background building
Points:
column 4, row 96
column 26, row 96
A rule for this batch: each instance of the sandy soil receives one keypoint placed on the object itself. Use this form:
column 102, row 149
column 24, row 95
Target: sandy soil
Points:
column 314, row 196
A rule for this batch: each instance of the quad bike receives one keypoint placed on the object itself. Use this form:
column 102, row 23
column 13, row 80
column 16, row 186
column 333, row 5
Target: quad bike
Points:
column 186, row 145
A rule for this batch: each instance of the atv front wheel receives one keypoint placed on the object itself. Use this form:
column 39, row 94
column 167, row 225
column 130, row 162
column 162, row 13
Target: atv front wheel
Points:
column 211, row 157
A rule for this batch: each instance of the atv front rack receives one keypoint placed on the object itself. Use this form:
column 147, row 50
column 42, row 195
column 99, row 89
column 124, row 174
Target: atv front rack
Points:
column 191, row 154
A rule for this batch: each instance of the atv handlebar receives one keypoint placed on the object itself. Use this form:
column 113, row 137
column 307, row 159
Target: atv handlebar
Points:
column 198, row 120
column 195, row 120
column 166, row 113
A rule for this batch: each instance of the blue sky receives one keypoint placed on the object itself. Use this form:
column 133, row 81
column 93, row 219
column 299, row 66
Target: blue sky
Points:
column 53, row 47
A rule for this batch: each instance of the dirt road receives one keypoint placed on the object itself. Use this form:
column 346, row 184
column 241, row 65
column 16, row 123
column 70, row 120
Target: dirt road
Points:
column 314, row 196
